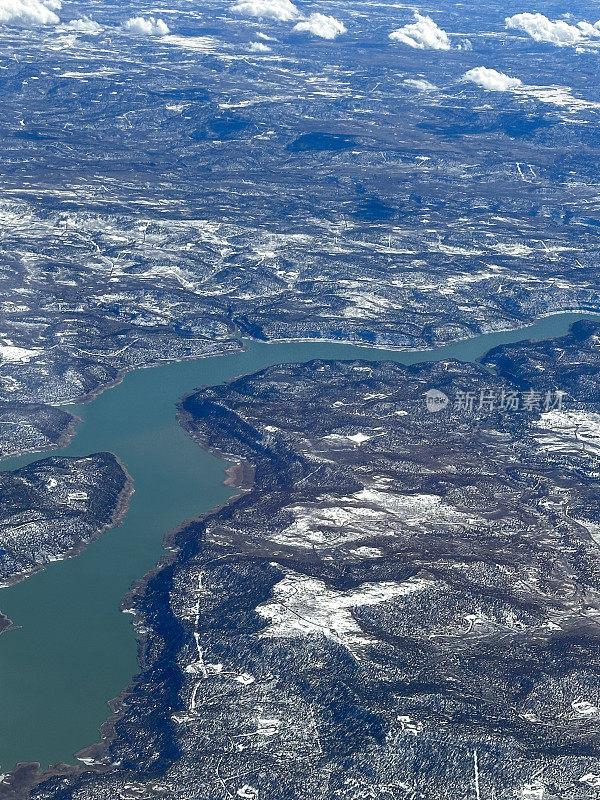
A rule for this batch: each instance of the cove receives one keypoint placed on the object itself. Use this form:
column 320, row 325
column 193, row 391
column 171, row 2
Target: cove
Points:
column 72, row 650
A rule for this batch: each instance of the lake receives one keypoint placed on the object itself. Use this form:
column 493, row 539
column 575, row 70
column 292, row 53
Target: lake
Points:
column 73, row 650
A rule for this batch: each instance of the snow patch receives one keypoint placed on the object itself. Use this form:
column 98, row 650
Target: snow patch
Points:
column 305, row 606
column 568, row 432
column 22, row 355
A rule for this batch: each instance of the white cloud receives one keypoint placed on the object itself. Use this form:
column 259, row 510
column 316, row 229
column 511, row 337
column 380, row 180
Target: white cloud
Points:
column 259, row 47
column 423, row 34
column 492, row 80
column 150, row 26
column 420, row 85
column 84, row 25
column 592, row 31
column 556, row 32
column 28, row 12
column 321, row 25
column 282, row 10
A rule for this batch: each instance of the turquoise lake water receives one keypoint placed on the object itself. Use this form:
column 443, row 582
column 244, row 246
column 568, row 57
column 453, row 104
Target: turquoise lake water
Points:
column 72, row 649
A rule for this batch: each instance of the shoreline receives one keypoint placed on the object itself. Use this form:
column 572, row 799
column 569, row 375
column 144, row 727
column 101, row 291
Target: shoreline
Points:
column 243, row 340
column 429, row 348
column 63, row 441
column 95, row 756
column 120, row 509
column 121, row 374
column 239, row 475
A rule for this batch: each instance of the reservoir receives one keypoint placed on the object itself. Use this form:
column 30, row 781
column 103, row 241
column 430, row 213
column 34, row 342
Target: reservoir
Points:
column 72, row 650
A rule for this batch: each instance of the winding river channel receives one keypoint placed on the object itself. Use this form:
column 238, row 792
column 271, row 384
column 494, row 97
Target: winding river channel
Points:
column 71, row 649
